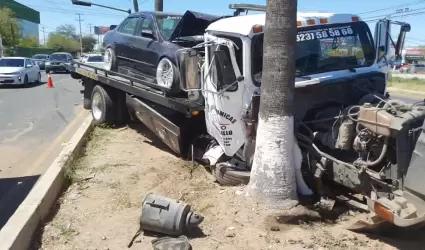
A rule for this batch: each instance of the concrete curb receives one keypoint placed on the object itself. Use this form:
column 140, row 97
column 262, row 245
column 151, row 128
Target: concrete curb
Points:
column 18, row 231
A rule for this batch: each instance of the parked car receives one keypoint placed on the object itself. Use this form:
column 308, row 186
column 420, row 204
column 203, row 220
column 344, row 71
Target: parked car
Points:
column 59, row 62
column 95, row 60
column 19, row 70
column 418, row 68
column 40, row 60
column 145, row 44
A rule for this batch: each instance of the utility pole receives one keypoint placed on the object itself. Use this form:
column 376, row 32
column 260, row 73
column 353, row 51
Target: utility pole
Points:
column 159, row 5
column 81, row 33
column 90, row 25
column 277, row 158
column 44, row 35
column 136, row 5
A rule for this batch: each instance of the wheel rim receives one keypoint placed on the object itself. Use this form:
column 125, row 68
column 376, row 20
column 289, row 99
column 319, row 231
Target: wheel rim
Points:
column 108, row 59
column 164, row 74
column 95, row 106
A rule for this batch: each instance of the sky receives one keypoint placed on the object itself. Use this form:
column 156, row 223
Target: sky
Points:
column 58, row 12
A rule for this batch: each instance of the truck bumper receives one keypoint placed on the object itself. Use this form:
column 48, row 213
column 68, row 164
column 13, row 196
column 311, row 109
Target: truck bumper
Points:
column 57, row 68
column 405, row 210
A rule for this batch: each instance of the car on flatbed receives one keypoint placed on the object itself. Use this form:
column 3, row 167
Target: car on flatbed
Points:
column 59, row 62
column 144, row 45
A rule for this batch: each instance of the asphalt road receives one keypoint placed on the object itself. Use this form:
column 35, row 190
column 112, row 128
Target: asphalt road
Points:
column 35, row 124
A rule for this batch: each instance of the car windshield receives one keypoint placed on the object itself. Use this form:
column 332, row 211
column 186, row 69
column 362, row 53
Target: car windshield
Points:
column 40, row 57
column 95, row 59
column 59, row 57
column 324, row 48
column 167, row 24
column 9, row 62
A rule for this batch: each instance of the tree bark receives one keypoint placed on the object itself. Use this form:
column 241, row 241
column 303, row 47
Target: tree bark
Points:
column 159, row 5
column 273, row 178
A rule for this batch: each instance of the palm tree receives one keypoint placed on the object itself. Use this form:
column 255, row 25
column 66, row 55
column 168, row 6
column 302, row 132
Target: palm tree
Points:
column 273, row 175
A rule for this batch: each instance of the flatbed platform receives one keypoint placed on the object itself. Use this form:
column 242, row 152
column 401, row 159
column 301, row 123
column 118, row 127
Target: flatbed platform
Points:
column 138, row 88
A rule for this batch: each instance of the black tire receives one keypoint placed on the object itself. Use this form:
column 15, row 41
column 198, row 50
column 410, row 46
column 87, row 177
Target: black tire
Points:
column 106, row 106
column 25, row 81
column 38, row 78
column 227, row 175
column 175, row 86
column 114, row 66
column 87, row 93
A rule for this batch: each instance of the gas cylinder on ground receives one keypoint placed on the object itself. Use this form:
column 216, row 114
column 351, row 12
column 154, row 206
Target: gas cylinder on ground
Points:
column 168, row 216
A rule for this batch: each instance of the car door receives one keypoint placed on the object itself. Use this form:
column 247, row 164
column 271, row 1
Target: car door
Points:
column 29, row 70
column 124, row 36
column 147, row 46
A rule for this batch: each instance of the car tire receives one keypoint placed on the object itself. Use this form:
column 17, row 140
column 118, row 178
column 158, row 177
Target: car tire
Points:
column 228, row 175
column 38, row 78
column 102, row 106
column 110, row 60
column 171, row 80
column 25, row 83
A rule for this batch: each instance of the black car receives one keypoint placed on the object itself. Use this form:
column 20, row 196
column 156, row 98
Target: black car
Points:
column 145, row 44
column 59, row 62
column 40, row 60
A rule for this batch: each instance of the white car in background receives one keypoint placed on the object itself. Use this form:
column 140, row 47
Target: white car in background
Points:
column 96, row 60
column 19, row 71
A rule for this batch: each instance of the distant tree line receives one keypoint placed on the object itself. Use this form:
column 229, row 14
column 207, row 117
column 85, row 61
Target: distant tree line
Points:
column 64, row 38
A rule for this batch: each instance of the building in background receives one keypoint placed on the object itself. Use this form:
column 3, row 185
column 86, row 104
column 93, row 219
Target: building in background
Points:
column 28, row 18
column 100, row 31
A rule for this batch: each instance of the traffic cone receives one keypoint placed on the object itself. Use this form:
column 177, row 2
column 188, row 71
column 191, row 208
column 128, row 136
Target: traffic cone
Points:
column 49, row 81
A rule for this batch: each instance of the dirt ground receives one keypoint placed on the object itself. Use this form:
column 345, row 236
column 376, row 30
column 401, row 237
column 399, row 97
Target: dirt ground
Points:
column 101, row 209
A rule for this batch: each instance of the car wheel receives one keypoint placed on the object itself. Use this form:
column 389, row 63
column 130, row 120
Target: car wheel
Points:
column 25, row 81
column 110, row 60
column 167, row 76
column 38, row 78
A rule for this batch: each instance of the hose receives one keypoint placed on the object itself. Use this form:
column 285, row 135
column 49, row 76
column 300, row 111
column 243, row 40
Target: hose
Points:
column 381, row 156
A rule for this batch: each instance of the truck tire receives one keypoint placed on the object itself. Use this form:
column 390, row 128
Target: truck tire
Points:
column 87, row 93
column 102, row 106
column 122, row 114
column 227, row 175
column 167, row 75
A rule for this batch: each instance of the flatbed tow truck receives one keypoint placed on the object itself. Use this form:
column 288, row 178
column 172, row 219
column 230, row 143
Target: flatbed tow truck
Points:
column 348, row 129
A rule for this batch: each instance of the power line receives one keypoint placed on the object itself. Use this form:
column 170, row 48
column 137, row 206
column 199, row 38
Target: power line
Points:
column 410, row 14
column 394, row 6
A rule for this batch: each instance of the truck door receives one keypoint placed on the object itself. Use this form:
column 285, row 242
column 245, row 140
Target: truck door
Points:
column 388, row 50
column 223, row 93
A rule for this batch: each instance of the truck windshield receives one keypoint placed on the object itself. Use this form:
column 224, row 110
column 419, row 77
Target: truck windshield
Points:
column 167, row 24
column 324, row 48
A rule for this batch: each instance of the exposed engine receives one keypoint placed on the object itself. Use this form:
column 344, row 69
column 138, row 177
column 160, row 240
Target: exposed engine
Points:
column 345, row 142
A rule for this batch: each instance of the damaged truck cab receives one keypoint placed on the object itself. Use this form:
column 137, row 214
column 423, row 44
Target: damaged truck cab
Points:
column 348, row 129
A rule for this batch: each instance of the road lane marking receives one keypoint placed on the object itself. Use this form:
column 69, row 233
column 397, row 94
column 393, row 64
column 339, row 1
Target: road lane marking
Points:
column 26, row 130
column 30, row 170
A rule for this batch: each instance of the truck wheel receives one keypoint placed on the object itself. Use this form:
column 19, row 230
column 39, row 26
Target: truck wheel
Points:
column 167, row 76
column 122, row 114
column 228, row 175
column 102, row 106
column 110, row 60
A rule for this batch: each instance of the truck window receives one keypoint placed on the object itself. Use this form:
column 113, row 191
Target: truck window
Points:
column 323, row 48
column 222, row 72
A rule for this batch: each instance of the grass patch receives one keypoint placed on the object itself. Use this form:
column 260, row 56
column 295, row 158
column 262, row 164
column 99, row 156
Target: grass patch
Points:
column 415, row 83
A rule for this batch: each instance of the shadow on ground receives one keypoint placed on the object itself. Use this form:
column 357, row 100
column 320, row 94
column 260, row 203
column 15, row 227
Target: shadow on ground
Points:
column 12, row 192
column 30, row 85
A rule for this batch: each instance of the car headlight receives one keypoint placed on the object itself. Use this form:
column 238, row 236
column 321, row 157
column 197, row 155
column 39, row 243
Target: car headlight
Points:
column 16, row 73
column 47, row 63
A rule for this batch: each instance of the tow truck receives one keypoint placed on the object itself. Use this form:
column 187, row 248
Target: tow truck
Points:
column 348, row 129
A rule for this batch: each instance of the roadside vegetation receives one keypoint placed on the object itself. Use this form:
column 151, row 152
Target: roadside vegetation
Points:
column 413, row 84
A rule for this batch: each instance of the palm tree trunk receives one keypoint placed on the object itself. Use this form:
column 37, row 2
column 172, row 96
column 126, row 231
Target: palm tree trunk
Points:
column 273, row 175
